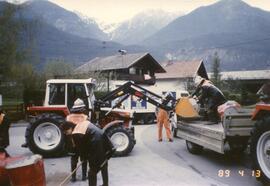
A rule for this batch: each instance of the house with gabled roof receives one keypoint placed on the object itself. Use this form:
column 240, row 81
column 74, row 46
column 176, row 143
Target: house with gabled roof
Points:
column 180, row 74
column 137, row 67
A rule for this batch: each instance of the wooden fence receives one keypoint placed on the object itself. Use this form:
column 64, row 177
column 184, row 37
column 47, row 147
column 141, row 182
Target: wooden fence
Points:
column 14, row 112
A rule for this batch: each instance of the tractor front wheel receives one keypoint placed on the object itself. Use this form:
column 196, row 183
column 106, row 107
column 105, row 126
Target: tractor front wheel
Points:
column 122, row 139
column 44, row 135
column 260, row 149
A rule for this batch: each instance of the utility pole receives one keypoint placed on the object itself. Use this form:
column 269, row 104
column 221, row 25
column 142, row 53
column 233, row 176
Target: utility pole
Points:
column 108, row 82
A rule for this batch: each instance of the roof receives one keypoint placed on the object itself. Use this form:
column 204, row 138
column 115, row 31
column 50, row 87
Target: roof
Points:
column 118, row 62
column 90, row 80
column 246, row 75
column 183, row 69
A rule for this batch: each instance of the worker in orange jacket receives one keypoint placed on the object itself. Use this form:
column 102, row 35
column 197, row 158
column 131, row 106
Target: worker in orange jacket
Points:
column 163, row 119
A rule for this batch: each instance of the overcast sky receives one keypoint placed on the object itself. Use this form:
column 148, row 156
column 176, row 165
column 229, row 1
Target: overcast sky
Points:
column 120, row 10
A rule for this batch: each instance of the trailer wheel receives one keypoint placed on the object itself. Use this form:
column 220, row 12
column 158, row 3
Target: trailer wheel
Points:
column 260, row 149
column 44, row 135
column 123, row 140
column 238, row 145
column 237, row 149
column 194, row 148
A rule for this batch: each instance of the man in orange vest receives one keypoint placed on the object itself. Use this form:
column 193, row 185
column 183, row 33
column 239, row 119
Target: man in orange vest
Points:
column 91, row 143
column 78, row 114
column 163, row 119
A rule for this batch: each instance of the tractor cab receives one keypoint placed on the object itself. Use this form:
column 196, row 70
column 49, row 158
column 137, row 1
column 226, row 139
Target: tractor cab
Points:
column 63, row 92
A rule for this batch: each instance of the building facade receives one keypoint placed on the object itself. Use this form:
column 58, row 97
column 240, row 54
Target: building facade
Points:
column 139, row 68
column 179, row 75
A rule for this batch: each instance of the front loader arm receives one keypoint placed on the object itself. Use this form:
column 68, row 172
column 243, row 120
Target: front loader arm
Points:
column 129, row 88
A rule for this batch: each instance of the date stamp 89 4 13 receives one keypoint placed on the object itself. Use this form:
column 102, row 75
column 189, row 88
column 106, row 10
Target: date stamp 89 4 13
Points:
column 226, row 173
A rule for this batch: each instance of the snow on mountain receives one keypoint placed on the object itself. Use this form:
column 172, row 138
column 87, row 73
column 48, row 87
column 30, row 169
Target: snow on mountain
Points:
column 65, row 20
column 106, row 27
column 141, row 26
column 85, row 18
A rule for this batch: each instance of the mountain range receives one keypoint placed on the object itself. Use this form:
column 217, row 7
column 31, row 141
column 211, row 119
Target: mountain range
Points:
column 51, row 42
column 141, row 26
column 65, row 20
column 237, row 32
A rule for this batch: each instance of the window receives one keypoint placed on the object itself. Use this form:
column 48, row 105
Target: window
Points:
column 138, row 71
column 76, row 91
column 57, row 94
column 92, row 97
column 132, row 70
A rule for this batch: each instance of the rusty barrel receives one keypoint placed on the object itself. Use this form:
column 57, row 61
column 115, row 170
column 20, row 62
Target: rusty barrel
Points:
column 4, row 179
column 28, row 171
column 3, row 173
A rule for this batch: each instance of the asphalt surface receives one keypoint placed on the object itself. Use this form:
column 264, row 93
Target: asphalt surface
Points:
column 153, row 163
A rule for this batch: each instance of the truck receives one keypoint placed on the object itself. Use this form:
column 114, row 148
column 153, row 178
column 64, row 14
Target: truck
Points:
column 44, row 135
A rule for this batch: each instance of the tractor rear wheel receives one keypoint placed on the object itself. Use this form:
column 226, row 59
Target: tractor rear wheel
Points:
column 260, row 149
column 44, row 135
column 123, row 140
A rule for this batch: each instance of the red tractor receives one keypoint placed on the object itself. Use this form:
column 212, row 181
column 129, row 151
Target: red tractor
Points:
column 44, row 135
column 260, row 135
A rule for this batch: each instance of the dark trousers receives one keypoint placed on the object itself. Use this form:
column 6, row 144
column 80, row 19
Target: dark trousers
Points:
column 92, row 175
column 74, row 162
column 213, row 115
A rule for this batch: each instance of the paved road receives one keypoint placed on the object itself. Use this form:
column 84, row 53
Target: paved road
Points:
column 207, row 164
column 152, row 163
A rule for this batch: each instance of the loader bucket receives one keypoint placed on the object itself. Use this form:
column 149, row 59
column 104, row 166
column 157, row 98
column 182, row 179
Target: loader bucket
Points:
column 185, row 109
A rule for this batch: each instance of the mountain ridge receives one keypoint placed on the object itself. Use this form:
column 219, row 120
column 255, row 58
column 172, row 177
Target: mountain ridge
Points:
column 227, row 27
column 51, row 43
column 65, row 20
column 141, row 26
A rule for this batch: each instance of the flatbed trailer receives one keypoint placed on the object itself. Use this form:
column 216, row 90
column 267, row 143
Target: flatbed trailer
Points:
column 237, row 130
column 234, row 129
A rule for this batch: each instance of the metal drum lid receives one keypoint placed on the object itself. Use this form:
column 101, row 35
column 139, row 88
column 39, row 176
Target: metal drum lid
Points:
column 25, row 161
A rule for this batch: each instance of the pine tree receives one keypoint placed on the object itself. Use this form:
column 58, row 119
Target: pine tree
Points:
column 216, row 76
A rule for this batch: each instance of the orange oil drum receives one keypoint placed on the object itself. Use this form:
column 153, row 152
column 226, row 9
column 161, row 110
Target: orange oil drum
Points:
column 4, row 179
column 3, row 173
column 28, row 171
